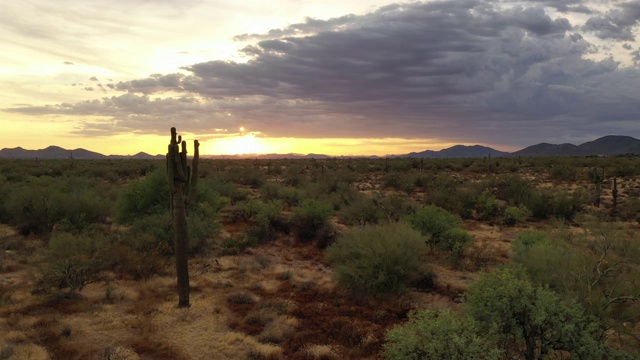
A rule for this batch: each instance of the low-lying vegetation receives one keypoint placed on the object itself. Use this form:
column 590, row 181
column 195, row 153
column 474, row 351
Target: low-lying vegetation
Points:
column 507, row 258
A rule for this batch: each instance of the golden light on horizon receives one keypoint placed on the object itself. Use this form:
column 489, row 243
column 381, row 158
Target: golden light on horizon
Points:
column 237, row 145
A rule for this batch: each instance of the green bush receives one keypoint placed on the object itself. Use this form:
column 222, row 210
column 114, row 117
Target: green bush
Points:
column 37, row 204
column 268, row 222
column 361, row 212
column 435, row 223
column 531, row 320
column 515, row 215
column 73, row 260
column 148, row 196
column 487, row 206
column 160, row 226
column 439, row 335
column 310, row 220
column 139, row 255
column 376, row 260
column 236, row 244
column 514, row 189
column 547, row 203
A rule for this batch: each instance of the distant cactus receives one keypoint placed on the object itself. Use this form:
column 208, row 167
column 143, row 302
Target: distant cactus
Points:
column 614, row 193
column 597, row 178
column 182, row 184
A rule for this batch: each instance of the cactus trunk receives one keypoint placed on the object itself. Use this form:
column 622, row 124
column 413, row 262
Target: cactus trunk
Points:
column 182, row 184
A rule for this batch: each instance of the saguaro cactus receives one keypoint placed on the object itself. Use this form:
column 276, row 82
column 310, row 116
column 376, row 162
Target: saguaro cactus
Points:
column 182, row 184
column 614, row 195
column 597, row 178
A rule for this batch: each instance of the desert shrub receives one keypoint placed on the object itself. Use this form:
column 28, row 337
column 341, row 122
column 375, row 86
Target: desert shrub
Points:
column 289, row 195
column 376, row 260
column 453, row 195
column 270, row 191
column 147, row 196
column 160, row 226
column 630, row 210
column 514, row 189
column 361, row 212
column 27, row 208
column 515, row 215
column 435, row 223
column 201, row 231
column 487, row 206
column 208, row 201
column 138, row 255
column 546, row 203
column 394, row 207
column 228, row 190
column 439, row 335
column 248, row 176
column 73, row 260
column 246, row 210
column 37, row 204
column 457, row 241
column 80, row 204
column 268, row 222
column 294, row 175
column 596, row 267
column 310, row 219
column 236, row 244
column 399, row 181
column 564, row 170
column 532, row 321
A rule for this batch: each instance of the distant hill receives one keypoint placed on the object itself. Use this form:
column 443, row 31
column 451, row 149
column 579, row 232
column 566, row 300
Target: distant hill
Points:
column 52, row 152
column 457, row 151
column 56, row 152
column 607, row 145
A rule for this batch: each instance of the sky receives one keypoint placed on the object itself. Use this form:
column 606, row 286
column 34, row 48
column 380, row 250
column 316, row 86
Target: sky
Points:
column 367, row 77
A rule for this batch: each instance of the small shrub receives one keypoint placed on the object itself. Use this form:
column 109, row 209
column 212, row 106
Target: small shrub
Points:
column 310, row 220
column 376, row 260
column 236, row 244
column 242, row 298
column 439, row 335
column 73, row 261
column 435, row 223
column 139, row 255
column 361, row 212
column 148, row 196
column 487, row 206
column 268, row 222
column 515, row 215
column 457, row 241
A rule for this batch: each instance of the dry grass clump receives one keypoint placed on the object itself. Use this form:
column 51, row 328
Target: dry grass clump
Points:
column 319, row 352
column 242, row 298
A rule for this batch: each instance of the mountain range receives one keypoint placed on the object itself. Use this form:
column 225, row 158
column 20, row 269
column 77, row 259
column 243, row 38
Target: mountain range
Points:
column 604, row 146
column 56, row 152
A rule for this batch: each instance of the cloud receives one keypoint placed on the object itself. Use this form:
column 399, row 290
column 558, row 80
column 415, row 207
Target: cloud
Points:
column 68, row 63
column 616, row 24
column 457, row 70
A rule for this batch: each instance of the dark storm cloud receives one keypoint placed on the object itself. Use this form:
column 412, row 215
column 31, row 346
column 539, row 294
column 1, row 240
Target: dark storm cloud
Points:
column 463, row 70
column 618, row 23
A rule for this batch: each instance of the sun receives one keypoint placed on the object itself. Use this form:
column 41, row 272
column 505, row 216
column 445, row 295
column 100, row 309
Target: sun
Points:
column 238, row 145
